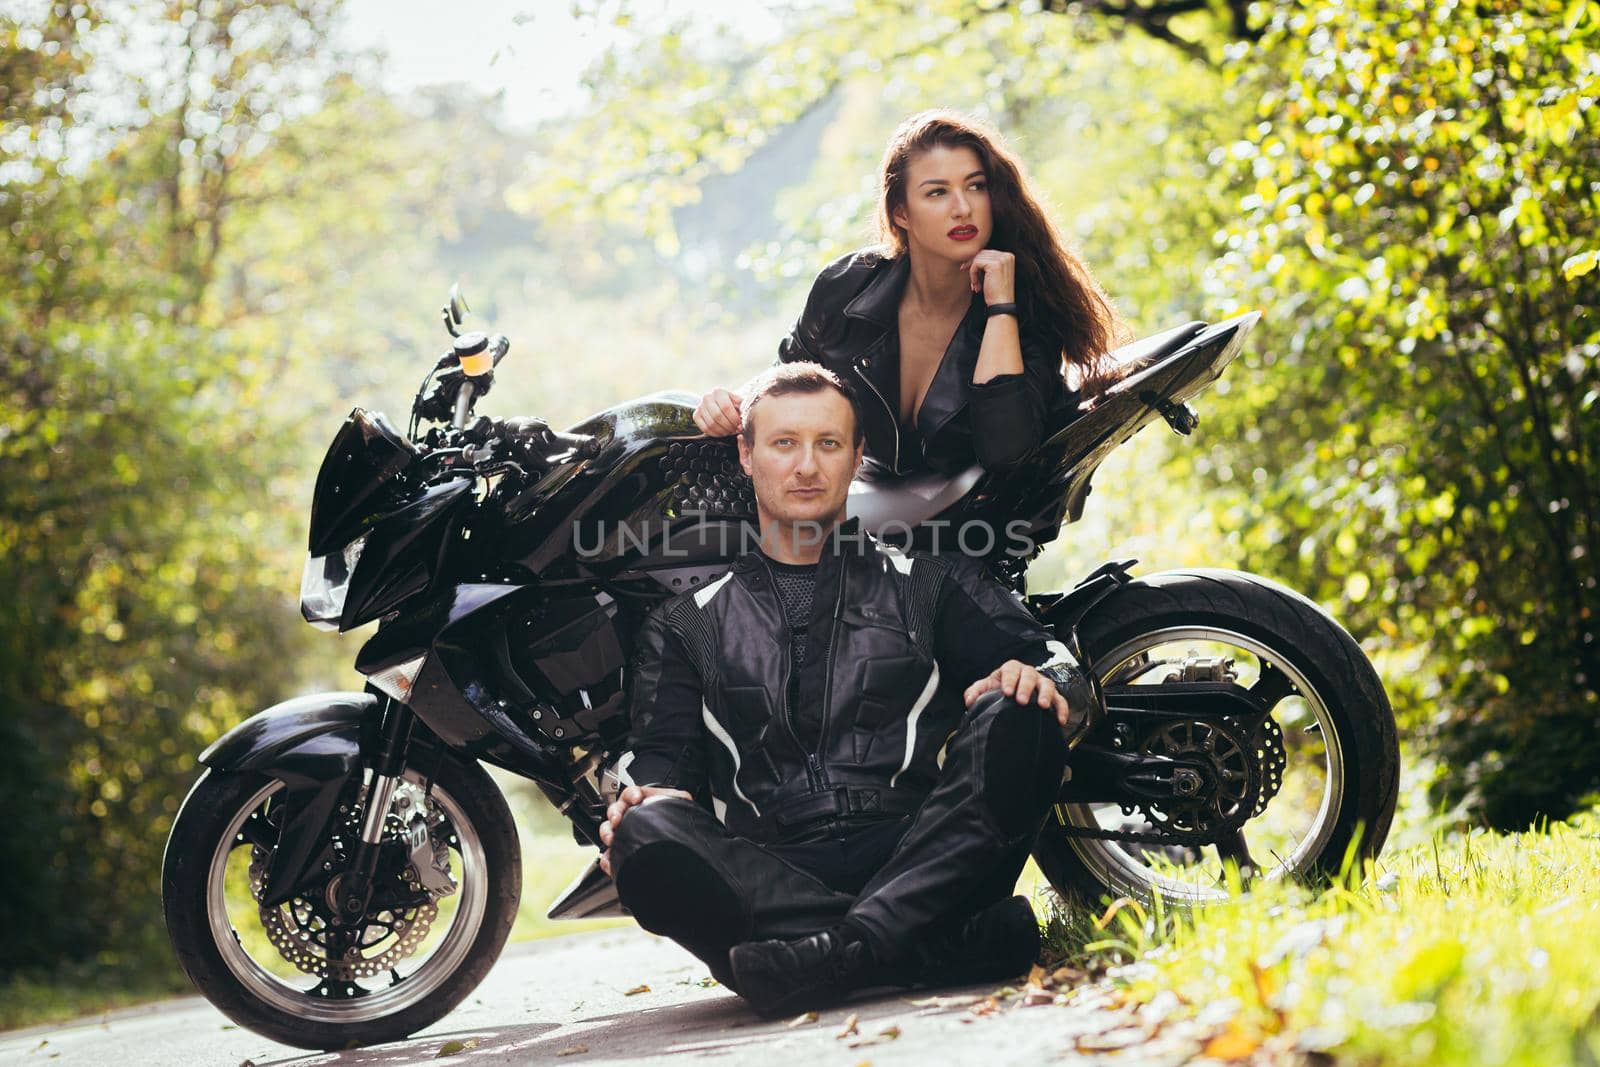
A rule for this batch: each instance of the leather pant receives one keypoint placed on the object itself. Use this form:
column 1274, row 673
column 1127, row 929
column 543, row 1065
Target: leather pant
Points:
column 897, row 880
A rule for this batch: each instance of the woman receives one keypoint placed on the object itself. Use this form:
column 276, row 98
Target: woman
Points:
column 956, row 329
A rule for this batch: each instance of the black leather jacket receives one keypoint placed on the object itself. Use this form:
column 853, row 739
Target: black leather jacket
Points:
column 850, row 325
column 895, row 638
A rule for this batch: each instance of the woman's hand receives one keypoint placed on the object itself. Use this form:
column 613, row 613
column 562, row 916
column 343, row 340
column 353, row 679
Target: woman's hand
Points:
column 718, row 413
column 994, row 274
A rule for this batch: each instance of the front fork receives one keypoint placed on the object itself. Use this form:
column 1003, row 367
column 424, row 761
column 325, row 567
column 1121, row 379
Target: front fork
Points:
column 355, row 889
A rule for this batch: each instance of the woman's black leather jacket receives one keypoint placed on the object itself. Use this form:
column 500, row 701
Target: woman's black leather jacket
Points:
column 850, row 325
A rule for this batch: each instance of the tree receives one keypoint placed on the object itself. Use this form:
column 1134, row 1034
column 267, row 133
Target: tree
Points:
column 145, row 601
column 1420, row 442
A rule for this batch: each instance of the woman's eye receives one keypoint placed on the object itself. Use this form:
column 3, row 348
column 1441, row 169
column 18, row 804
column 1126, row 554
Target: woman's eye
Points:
column 979, row 187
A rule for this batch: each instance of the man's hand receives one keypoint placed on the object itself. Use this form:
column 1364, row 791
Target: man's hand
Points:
column 630, row 797
column 718, row 413
column 1023, row 684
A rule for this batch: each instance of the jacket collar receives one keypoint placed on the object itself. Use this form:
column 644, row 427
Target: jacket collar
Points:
column 846, row 539
column 879, row 299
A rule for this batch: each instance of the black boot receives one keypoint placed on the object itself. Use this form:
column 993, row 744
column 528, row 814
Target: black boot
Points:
column 780, row 978
column 1001, row 941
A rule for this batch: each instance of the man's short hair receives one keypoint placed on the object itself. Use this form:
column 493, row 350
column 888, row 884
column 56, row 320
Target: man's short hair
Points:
column 788, row 379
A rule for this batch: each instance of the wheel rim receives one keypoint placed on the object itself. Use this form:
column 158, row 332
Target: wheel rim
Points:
column 294, row 992
column 1128, row 869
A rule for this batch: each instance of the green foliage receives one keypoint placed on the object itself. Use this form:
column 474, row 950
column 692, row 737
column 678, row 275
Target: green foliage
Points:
column 1416, row 437
column 144, row 564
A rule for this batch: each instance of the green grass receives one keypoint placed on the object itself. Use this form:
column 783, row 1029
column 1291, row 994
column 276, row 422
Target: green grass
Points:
column 1469, row 948
column 61, row 993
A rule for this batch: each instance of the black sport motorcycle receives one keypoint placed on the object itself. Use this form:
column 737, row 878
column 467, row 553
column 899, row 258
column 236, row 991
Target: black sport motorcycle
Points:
column 345, row 871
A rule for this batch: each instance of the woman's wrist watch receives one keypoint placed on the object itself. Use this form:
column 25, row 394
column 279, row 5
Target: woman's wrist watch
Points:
column 1007, row 308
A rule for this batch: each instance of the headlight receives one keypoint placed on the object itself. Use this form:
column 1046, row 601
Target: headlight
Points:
column 326, row 583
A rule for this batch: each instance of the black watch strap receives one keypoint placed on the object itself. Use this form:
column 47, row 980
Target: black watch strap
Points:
column 1002, row 309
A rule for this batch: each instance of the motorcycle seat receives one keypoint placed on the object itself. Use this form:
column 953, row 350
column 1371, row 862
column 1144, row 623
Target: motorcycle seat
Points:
column 1137, row 355
column 907, row 501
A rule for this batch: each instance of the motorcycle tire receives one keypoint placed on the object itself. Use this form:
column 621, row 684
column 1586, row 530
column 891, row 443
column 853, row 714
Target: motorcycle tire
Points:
column 1334, row 684
column 484, row 857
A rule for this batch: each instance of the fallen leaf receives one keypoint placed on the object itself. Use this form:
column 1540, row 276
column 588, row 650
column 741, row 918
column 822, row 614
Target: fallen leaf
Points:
column 888, row 1033
column 1038, row 976
column 958, row 1001
column 987, row 1006
column 1109, row 1040
column 852, row 1027
column 1263, row 980
column 1231, row 1044
column 1111, row 912
column 1067, row 976
column 451, row 1047
column 636, row 990
column 801, row 1020
column 1036, row 995
column 1266, row 990
column 573, row 1050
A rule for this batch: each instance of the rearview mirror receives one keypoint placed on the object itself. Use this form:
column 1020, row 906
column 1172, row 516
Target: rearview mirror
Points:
column 455, row 312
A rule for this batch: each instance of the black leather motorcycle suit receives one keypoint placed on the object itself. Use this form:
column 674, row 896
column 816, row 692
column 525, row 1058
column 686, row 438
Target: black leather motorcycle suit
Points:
column 878, row 797
column 850, row 324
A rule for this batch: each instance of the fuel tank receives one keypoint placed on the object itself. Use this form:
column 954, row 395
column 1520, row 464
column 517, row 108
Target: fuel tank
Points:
column 657, row 500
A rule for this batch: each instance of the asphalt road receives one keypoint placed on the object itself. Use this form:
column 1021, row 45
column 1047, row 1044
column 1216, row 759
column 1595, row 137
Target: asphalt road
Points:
column 568, row 999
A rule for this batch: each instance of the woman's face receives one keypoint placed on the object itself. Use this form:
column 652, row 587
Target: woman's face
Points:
column 947, row 213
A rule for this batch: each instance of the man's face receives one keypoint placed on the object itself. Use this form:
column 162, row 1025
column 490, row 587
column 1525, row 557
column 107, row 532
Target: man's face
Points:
column 801, row 458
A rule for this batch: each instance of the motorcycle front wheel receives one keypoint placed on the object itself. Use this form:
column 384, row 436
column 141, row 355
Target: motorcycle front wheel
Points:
column 291, row 972
column 1327, row 759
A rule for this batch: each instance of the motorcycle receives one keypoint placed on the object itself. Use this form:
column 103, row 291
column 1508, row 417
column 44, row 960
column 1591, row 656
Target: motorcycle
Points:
column 344, row 872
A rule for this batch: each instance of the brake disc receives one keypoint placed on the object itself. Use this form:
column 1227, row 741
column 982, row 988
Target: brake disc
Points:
column 305, row 930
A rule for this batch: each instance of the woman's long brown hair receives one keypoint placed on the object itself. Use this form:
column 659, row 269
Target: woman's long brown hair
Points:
column 1056, row 294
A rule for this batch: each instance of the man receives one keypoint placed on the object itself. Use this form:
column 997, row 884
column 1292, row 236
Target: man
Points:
column 841, row 752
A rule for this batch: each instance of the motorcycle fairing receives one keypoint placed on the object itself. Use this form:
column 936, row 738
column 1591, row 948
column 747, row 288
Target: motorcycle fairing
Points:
column 362, row 475
column 312, row 744
column 471, row 694
column 1050, row 486
column 405, row 552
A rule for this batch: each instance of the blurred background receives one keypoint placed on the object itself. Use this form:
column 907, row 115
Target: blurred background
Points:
column 226, row 223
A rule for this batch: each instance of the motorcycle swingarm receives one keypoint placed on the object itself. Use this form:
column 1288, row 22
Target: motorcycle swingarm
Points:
column 1108, row 769
column 1099, row 775
column 1140, row 708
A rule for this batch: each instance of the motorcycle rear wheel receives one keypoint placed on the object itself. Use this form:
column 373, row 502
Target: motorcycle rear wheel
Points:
column 1341, row 773
column 223, row 946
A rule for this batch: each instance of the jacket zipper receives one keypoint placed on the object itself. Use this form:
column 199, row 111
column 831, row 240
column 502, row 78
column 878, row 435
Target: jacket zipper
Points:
column 894, row 416
column 788, row 667
column 827, row 684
